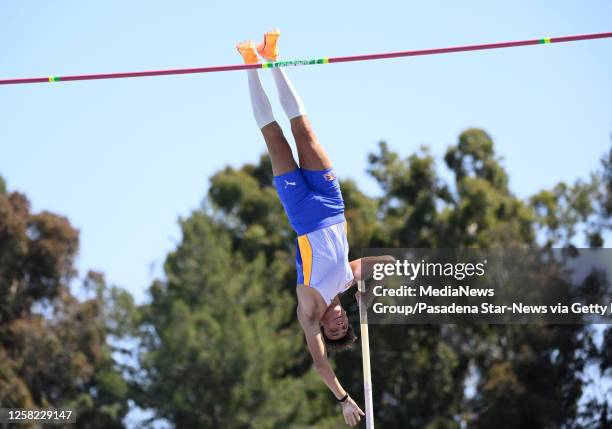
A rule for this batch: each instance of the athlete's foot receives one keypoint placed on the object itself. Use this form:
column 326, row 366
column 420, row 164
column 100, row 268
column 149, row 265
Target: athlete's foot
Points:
column 267, row 49
column 247, row 50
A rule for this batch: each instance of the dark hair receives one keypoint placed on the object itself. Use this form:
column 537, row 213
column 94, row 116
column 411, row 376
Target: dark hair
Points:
column 341, row 344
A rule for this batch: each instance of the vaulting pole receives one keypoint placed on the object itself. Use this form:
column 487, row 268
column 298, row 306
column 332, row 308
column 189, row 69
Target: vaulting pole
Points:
column 325, row 60
column 365, row 355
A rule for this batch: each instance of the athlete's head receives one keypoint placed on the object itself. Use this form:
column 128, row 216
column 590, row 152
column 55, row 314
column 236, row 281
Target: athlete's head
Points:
column 337, row 331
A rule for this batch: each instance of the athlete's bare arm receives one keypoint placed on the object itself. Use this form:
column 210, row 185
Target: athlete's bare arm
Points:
column 310, row 324
column 363, row 269
column 316, row 347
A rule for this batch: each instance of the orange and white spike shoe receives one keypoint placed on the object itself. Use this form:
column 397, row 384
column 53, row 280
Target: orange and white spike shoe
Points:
column 247, row 50
column 267, row 49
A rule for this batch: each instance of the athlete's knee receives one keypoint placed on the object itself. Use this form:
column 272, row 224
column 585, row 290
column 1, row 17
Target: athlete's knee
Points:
column 272, row 130
column 301, row 129
column 278, row 148
column 274, row 137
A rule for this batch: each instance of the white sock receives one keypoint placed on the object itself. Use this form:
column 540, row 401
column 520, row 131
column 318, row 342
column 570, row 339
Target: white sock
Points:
column 289, row 99
column 262, row 110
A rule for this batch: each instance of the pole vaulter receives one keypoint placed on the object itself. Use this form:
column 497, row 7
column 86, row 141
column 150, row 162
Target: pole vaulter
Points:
column 311, row 195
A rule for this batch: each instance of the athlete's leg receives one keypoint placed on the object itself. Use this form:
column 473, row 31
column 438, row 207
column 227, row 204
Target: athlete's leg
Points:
column 311, row 154
column 278, row 147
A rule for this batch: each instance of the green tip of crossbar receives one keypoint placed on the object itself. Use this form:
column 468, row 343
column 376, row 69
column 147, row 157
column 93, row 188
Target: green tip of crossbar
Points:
column 274, row 64
column 54, row 78
column 546, row 40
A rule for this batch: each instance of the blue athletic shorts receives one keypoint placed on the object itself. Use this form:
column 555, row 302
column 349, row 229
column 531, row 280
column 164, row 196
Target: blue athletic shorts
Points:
column 312, row 199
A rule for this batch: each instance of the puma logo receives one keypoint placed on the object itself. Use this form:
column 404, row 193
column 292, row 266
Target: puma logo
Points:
column 288, row 183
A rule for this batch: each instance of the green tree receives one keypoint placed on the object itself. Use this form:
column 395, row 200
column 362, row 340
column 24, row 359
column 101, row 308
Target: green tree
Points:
column 421, row 211
column 221, row 348
column 53, row 347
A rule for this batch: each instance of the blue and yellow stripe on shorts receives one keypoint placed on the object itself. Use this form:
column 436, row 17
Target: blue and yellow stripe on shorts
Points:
column 306, row 256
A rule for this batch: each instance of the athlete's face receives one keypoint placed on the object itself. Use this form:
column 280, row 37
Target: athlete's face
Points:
column 335, row 323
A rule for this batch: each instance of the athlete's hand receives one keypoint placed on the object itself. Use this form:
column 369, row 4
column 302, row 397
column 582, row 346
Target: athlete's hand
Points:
column 351, row 412
column 368, row 297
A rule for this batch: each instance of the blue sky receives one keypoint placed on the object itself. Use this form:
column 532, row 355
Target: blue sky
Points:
column 123, row 159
